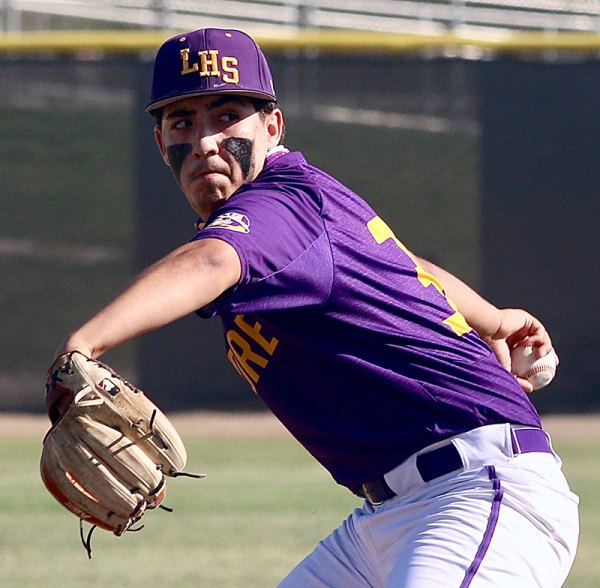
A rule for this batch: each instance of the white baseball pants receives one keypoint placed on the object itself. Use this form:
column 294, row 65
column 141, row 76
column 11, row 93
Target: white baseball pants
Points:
column 512, row 523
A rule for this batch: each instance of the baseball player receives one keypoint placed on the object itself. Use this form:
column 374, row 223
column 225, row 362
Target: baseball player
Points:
column 391, row 372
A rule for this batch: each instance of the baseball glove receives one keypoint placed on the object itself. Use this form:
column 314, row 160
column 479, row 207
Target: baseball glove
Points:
column 109, row 448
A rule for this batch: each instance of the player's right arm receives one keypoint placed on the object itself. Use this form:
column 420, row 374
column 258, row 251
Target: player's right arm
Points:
column 501, row 328
column 187, row 279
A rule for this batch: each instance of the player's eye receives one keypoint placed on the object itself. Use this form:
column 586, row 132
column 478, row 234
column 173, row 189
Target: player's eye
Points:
column 181, row 124
column 228, row 117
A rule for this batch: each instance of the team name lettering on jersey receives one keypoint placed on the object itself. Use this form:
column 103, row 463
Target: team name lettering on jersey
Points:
column 249, row 351
column 209, row 63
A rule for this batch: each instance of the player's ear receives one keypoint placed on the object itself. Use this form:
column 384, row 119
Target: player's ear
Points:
column 161, row 144
column 274, row 128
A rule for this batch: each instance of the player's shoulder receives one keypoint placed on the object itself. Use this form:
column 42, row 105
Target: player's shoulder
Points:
column 282, row 162
column 283, row 176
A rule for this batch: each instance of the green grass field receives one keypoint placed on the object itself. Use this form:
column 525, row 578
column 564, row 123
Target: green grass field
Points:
column 263, row 506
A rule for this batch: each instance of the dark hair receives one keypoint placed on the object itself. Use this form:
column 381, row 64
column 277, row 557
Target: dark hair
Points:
column 157, row 114
column 264, row 107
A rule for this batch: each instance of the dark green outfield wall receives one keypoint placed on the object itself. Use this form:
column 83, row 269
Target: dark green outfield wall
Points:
column 489, row 168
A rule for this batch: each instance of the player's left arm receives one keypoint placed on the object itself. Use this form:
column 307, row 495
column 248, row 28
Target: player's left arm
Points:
column 501, row 328
column 185, row 280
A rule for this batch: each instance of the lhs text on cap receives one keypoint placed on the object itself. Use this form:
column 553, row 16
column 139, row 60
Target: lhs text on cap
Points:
column 210, row 64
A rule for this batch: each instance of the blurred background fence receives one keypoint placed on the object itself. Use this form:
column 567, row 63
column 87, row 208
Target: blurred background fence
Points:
column 478, row 140
column 378, row 15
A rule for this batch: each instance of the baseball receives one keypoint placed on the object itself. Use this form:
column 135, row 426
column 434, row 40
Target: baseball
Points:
column 538, row 372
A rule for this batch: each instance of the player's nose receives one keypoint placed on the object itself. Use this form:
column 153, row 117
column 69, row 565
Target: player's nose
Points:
column 206, row 144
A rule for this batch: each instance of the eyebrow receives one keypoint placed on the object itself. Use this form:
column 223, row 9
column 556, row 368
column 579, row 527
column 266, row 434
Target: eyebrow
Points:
column 224, row 100
column 181, row 112
column 220, row 101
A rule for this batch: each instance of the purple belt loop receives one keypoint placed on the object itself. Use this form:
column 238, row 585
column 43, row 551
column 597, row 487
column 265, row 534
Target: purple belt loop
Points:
column 528, row 440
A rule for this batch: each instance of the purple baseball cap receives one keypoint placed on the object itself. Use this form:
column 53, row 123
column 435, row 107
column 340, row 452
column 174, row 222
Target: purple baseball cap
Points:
column 210, row 61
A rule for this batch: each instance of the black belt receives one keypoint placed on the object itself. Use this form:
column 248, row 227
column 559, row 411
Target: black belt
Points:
column 447, row 459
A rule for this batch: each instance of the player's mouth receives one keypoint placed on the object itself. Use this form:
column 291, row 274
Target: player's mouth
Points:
column 206, row 174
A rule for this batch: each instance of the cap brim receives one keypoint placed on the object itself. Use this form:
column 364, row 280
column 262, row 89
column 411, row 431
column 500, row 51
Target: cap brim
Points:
column 246, row 93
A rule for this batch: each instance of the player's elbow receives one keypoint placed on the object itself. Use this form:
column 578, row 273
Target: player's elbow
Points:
column 214, row 260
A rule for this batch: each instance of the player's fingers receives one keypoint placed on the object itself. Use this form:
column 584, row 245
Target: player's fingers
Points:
column 531, row 333
column 542, row 349
column 517, row 324
column 525, row 385
column 533, row 328
column 541, row 343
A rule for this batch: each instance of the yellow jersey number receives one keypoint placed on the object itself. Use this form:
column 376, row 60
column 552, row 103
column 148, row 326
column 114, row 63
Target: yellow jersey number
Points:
column 381, row 233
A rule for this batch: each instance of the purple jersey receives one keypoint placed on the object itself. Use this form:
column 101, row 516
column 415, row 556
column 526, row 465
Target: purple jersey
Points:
column 347, row 340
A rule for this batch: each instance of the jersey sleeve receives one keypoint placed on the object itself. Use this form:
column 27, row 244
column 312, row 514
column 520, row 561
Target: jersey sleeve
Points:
column 283, row 246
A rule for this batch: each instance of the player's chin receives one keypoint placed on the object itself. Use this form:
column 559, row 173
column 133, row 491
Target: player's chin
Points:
column 207, row 204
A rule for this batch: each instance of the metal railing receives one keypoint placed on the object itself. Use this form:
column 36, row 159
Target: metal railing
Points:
column 403, row 16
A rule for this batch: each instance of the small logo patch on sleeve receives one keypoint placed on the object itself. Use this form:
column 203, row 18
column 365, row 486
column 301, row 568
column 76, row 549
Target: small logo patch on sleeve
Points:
column 233, row 221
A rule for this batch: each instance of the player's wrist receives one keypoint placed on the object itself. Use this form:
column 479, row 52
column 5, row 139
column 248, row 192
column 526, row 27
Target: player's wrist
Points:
column 78, row 341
